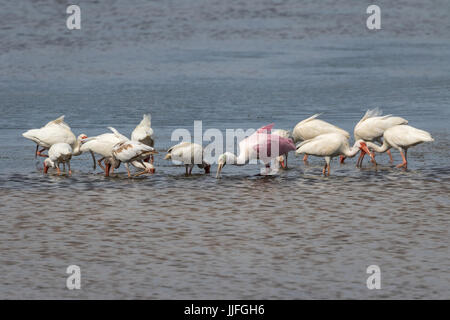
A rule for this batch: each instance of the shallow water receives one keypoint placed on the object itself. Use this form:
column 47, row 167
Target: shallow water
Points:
column 296, row 235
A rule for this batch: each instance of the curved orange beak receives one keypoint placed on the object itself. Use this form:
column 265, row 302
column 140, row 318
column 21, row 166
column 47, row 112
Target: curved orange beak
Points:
column 366, row 150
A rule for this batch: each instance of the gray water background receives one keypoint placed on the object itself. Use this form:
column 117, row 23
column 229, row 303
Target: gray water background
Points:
column 232, row 64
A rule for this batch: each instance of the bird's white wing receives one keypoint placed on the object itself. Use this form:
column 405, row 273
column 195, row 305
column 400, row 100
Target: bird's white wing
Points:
column 126, row 151
column 406, row 136
column 118, row 134
column 322, row 145
column 178, row 146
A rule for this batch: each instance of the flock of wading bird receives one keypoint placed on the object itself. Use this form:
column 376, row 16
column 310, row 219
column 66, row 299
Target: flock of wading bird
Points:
column 315, row 137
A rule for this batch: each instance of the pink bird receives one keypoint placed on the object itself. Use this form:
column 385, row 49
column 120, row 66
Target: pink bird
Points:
column 261, row 145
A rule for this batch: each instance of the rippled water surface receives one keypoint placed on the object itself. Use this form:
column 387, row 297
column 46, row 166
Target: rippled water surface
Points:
column 240, row 64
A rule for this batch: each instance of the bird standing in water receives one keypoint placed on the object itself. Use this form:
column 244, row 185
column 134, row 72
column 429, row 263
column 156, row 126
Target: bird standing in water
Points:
column 401, row 137
column 190, row 154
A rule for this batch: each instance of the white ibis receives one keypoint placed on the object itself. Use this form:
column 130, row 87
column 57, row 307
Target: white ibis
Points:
column 55, row 131
column 401, row 137
column 312, row 127
column 190, row 154
column 58, row 153
column 103, row 145
column 330, row 145
column 257, row 146
column 372, row 126
column 144, row 133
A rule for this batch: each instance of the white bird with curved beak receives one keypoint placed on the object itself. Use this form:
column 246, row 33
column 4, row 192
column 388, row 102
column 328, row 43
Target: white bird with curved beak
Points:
column 401, row 137
column 312, row 127
column 144, row 133
column 103, row 145
column 55, row 131
column 190, row 154
column 58, row 153
column 330, row 145
column 372, row 127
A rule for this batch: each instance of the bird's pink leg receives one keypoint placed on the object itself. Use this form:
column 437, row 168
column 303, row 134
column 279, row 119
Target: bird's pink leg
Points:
column 100, row 163
column 329, row 169
column 42, row 155
column 45, row 168
column 361, row 156
column 324, row 171
column 58, row 170
column 305, row 158
column 36, row 152
column 107, row 167
column 391, row 160
column 341, row 159
column 405, row 162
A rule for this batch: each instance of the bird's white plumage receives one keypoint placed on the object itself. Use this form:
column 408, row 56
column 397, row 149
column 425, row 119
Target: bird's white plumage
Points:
column 313, row 127
column 58, row 153
column 128, row 151
column 101, row 144
column 143, row 131
column 329, row 144
column 187, row 153
column 372, row 126
column 53, row 132
column 405, row 136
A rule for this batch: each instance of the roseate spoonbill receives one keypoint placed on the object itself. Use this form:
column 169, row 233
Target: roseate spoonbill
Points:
column 103, row 145
column 312, row 127
column 55, row 131
column 144, row 133
column 330, row 145
column 58, row 153
column 190, row 154
column 282, row 160
column 401, row 137
column 130, row 151
column 257, row 146
column 371, row 128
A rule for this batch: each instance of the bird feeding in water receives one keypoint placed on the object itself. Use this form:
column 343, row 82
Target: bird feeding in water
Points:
column 133, row 151
column 401, row 137
column 372, row 127
column 283, row 159
column 190, row 154
column 257, row 146
column 57, row 154
column 55, row 131
column 103, row 145
column 331, row 145
column 312, row 127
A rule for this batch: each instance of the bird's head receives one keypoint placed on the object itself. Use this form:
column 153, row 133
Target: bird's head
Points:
column 82, row 137
column 221, row 162
column 48, row 164
column 361, row 144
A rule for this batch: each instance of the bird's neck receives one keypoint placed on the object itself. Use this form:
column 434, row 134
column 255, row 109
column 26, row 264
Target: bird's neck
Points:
column 351, row 152
column 380, row 149
column 76, row 147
